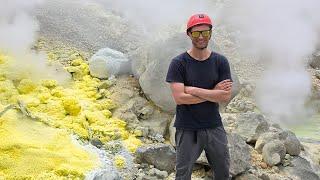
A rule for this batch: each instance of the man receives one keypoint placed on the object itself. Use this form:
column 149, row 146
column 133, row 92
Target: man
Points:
column 199, row 80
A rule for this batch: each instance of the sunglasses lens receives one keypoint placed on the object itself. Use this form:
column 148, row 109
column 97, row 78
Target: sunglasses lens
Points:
column 206, row 33
column 195, row 34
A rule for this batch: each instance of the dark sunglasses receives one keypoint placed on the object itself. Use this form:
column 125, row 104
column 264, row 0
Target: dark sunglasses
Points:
column 196, row 34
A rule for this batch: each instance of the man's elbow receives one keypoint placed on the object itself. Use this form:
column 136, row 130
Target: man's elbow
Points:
column 177, row 99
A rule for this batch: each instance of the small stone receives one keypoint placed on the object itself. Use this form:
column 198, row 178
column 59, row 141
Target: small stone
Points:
column 263, row 165
column 286, row 163
column 275, row 169
column 287, row 156
column 264, row 177
column 96, row 142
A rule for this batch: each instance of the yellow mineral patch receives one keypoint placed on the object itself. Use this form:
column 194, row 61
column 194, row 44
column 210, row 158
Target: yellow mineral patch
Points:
column 132, row 143
column 71, row 105
column 41, row 148
column 49, row 83
column 26, row 86
column 119, row 161
column 32, row 150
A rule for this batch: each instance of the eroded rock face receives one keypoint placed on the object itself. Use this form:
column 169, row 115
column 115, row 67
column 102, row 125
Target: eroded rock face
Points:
column 139, row 113
column 162, row 156
column 89, row 27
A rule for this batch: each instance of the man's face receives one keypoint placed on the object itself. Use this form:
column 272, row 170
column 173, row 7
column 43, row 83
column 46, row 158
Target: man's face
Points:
column 200, row 36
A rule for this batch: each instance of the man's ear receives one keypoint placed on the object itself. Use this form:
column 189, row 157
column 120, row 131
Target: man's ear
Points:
column 189, row 34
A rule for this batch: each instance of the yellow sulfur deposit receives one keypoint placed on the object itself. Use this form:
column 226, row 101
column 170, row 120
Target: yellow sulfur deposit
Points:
column 26, row 86
column 132, row 143
column 31, row 150
column 119, row 161
column 71, row 105
column 78, row 109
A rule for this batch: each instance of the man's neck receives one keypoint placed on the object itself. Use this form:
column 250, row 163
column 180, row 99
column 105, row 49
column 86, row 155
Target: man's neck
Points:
column 199, row 54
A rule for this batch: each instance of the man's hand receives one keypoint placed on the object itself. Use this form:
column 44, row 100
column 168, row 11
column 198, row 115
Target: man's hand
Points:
column 225, row 85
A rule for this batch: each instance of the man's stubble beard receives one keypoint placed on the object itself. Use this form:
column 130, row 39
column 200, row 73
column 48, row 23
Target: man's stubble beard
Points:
column 200, row 48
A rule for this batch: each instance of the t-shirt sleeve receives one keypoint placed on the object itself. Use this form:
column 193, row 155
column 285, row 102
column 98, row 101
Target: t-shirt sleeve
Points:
column 224, row 70
column 175, row 72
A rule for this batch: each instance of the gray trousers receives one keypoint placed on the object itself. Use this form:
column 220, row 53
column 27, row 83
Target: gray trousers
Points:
column 189, row 146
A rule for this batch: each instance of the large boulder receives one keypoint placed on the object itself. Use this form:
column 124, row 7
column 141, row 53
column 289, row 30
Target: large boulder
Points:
column 152, row 80
column 161, row 156
column 239, row 154
column 292, row 144
column 251, row 125
column 300, row 168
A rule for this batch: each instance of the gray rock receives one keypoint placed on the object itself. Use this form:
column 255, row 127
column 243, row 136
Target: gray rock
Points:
column 138, row 112
column 152, row 80
column 107, row 62
column 161, row 156
column 264, row 139
column 107, row 175
column 247, row 176
column 292, row 144
column 96, row 142
column 300, row 168
column 264, row 176
column 239, row 155
column 315, row 61
column 273, row 152
column 158, row 173
column 157, row 123
column 251, row 125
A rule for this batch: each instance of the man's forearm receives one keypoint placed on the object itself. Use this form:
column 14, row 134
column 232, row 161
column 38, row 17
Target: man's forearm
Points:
column 189, row 99
column 211, row 94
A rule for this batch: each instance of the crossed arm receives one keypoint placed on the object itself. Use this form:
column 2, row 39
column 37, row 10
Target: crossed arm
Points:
column 194, row 95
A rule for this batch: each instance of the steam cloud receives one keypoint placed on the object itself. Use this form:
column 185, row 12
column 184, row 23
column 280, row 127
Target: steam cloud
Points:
column 283, row 33
column 154, row 15
column 18, row 32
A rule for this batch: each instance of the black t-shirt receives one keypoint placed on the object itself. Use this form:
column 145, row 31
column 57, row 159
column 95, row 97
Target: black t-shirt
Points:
column 203, row 74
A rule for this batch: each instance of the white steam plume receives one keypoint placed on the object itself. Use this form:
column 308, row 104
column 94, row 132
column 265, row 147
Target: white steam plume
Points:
column 283, row 33
column 18, row 32
column 156, row 15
